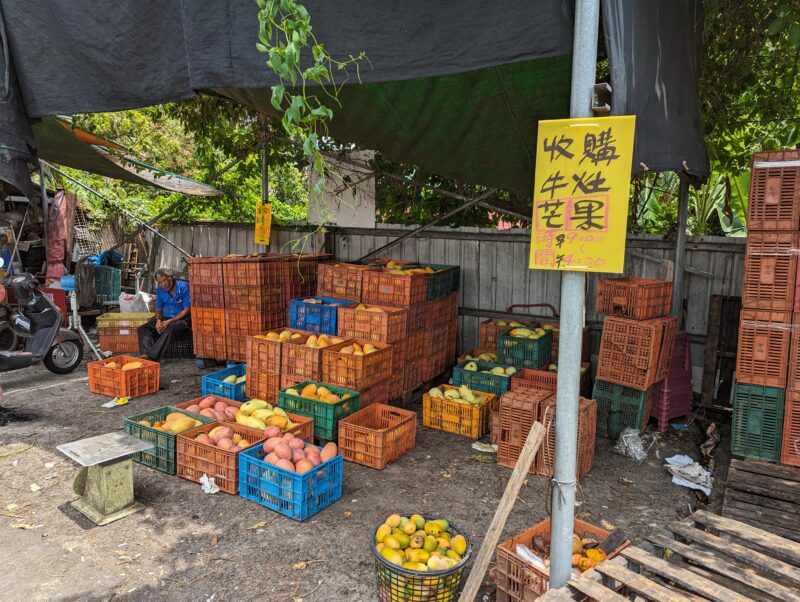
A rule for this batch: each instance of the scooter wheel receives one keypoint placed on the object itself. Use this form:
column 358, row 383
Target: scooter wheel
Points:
column 8, row 338
column 64, row 357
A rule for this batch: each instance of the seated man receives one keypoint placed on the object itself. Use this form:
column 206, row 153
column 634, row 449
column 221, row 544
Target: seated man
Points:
column 172, row 316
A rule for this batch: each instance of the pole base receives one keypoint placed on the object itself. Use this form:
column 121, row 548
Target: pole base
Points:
column 101, row 519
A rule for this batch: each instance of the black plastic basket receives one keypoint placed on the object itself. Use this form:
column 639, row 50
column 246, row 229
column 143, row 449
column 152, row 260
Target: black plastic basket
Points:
column 396, row 584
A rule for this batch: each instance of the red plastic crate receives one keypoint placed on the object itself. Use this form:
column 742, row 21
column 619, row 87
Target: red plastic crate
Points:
column 398, row 290
column 774, row 201
column 587, row 423
column 635, row 353
column 638, row 298
column 377, row 393
column 764, row 345
column 119, row 340
column 301, row 273
column 265, row 271
column 356, row 371
column 673, row 396
column 256, row 299
column 490, row 330
column 442, row 310
column 341, row 280
column 209, row 345
column 208, row 320
column 236, row 347
column 263, row 385
column 115, row 382
column 205, row 270
column 377, row 435
column 265, row 355
column 518, row 411
column 770, row 270
column 547, row 380
column 303, row 363
column 790, row 444
column 248, row 323
column 385, row 326
column 210, row 296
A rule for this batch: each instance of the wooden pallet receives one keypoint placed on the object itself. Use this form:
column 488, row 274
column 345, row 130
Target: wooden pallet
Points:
column 708, row 557
column 764, row 495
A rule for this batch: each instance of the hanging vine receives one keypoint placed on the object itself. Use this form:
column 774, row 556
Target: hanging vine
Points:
column 305, row 70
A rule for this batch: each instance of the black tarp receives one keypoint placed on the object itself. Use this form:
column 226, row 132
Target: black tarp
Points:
column 455, row 86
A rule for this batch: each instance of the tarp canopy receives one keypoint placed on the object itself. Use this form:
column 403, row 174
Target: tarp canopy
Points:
column 58, row 142
column 457, row 87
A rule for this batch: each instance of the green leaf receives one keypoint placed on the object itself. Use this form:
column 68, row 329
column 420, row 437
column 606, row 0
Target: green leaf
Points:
column 277, row 96
column 291, row 54
column 261, row 48
column 794, row 34
column 776, row 26
column 323, row 111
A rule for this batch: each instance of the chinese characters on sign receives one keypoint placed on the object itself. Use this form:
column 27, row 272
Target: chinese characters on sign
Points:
column 263, row 223
column 580, row 198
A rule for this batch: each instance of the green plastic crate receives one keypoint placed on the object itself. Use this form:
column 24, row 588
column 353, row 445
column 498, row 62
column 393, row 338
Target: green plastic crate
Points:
column 489, row 383
column 445, row 281
column 757, row 422
column 326, row 415
column 163, row 458
column 620, row 407
column 524, row 353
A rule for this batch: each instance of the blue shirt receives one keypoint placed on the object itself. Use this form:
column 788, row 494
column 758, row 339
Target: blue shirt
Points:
column 172, row 305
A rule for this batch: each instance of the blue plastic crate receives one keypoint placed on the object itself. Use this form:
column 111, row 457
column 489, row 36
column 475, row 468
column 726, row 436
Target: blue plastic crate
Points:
column 297, row 496
column 481, row 381
column 319, row 318
column 213, row 385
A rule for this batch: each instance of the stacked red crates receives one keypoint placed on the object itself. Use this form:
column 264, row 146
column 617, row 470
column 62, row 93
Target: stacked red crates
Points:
column 768, row 329
column 636, row 347
column 672, row 397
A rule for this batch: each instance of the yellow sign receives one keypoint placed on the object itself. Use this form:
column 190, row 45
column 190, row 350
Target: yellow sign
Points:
column 263, row 223
column 581, row 191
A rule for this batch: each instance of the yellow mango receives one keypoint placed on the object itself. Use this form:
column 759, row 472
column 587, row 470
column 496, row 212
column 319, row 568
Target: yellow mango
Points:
column 255, row 423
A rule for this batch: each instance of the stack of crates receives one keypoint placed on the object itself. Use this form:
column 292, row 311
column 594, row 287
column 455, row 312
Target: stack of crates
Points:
column 118, row 332
column 207, row 293
column 635, row 350
column 672, row 397
column 765, row 406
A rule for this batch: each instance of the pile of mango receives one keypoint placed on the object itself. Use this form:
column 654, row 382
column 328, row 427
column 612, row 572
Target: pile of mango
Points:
column 293, row 454
column 223, row 437
column 357, row 349
column 497, row 370
column 284, row 335
column 314, row 301
column 462, row 394
column 258, row 414
column 317, row 393
column 371, row 308
column 124, row 367
column 174, row 423
column 483, row 357
column 528, row 333
column 214, row 407
column 419, row 545
column 322, row 341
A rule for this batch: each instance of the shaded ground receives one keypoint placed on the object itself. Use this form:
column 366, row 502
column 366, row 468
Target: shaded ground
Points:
column 187, row 545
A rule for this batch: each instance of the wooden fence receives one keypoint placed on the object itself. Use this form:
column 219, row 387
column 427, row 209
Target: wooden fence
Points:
column 494, row 267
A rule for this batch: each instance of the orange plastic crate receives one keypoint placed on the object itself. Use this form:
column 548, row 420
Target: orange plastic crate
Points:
column 300, row 272
column 262, row 385
column 356, row 371
column 638, row 298
column 793, row 379
column 377, row 435
column 462, row 419
column 256, row 299
column 635, row 353
column 413, row 373
column 300, row 362
column 194, row 459
column 236, row 347
column 266, row 271
column 265, row 355
column 385, row 326
column 764, row 345
column 547, row 380
column 774, row 201
column 396, row 380
column 442, row 310
column 205, row 270
column 518, row 410
column 208, row 320
column 522, row 581
column 209, row 344
column 399, row 290
column 248, row 323
column 116, row 382
column 770, row 270
column 790, row 444
column 207, row 295
column 341, row 280
column 119, row 340
column 377, row 393
column 587, row 425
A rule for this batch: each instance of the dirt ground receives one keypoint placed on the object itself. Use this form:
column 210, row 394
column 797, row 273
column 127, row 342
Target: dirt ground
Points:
column 187, row 545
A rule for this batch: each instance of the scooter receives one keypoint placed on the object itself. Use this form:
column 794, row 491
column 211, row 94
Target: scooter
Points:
column 38, row 321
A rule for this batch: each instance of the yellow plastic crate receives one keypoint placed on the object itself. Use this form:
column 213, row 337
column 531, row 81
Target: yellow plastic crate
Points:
column 458, row 418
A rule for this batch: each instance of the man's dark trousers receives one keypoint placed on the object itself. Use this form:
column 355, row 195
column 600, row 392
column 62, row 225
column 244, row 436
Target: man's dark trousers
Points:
column 154, row 344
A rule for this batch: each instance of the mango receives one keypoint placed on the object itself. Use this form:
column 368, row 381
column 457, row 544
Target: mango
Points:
column 402, row 538
column 417, row 542
column 415, row 566
column 310, row 390
column 292, row 391
column 255, row 423
column 274, row 420
column 454, row 555
column 409, row 528
column 436, row 392
column 431, row 528
column 392, row 555
column 181, row 424
column 241, row 417
column 471, row 366
column 443, row 524
column 262, row 414
column 459, row 544
column 382, row 532
column 131, row 366
column 279, row 411
column 417, row 555
column 145, row 423
column 394, row 520
column 418, row 520
column 230, row 380
column 241, row 379
column 248, row 407
column 429, row 544
column 390, row 541
column 443, row 543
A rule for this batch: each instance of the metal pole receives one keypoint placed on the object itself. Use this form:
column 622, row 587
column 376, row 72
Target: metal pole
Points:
column 264, row 172
column 430, row 224
column 573, row 287
column 45, row 204
column 680, row 249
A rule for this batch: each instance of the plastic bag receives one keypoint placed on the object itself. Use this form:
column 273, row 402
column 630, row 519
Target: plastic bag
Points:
column 139, row 303
column 634, row 445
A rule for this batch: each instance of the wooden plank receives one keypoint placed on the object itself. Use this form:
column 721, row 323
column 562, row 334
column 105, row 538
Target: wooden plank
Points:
column 639, row 583
column 789, row 520
column 709, row 560
column 712, row 341
column 595, row 590
column 760, row 485
column 704, row 587
column 747, row 517
column 762, row 501
column 518, row 476
column 761, row 562
column 759, row 539
column 787, row 473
